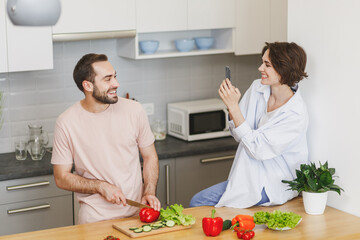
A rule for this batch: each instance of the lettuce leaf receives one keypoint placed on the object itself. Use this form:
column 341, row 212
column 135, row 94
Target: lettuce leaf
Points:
column 277, row 219
column 174, row 212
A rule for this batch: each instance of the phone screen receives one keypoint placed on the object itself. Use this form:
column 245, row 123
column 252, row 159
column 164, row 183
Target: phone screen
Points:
column 227, row 73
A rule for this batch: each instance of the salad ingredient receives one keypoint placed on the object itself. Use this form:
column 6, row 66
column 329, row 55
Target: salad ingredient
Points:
column 243, row 222
column 174, row 213
column 245, row 234
column 212, row 226
column 240, row 217
column 152, row 226
column 277, row 219
column 111, row 238
column 226, row 224
column 148, row 215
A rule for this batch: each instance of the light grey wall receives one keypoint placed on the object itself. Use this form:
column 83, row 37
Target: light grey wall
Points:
column 40, row 96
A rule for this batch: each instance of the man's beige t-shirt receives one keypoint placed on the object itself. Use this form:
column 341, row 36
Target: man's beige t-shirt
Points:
column 104, row 146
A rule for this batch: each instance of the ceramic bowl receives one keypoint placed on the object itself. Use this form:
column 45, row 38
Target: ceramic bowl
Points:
column 149, row 46
column 204, row 43
column 184, row 45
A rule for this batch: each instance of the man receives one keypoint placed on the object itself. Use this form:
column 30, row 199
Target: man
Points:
column 102, row 136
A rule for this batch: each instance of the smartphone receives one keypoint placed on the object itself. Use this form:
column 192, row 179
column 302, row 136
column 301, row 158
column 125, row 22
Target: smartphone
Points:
column 227, row 73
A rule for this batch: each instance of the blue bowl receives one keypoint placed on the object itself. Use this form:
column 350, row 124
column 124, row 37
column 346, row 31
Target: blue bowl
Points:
column 184, row 45
column 204, row 43
column 149, row 46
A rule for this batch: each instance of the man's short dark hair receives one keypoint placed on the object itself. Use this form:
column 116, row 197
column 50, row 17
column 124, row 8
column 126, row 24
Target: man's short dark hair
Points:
column 84, row 70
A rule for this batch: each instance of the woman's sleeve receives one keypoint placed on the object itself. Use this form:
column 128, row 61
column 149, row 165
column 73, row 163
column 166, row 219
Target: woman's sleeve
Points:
column 271, row 140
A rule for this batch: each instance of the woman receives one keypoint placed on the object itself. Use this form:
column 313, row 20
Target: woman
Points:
column 270, row 124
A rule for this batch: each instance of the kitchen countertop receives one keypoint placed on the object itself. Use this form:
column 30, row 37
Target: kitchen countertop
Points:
column 333, row 224
column 10, row 168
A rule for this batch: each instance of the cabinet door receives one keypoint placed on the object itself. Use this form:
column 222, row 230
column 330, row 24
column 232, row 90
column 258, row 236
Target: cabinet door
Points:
column 278, row 19
column 29, row 48
column 3, row 51
column 166, row 185
column 211, row 14
column 252, row 26
column 36, row 215
column 196, row 173
column 161, row 15
column 95, row 16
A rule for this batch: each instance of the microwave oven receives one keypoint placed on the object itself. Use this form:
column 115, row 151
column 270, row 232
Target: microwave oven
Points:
column 197, row 120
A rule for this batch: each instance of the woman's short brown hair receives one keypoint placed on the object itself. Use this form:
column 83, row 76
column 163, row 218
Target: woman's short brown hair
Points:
column 84, row 70
column 289, row 60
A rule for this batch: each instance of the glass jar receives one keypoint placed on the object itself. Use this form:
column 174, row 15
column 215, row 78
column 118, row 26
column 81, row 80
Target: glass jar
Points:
column 159, row 130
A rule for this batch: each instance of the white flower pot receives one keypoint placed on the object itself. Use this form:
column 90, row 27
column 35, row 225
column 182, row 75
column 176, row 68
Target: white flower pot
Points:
column 314, row 203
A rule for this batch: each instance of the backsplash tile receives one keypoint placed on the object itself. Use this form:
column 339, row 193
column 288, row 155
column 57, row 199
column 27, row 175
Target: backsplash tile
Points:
column 40, row 96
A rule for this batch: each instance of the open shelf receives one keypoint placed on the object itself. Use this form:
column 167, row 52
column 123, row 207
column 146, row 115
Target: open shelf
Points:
column 223, row 43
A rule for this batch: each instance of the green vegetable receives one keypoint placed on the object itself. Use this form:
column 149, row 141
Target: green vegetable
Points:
column 277, row 219
column 226, row 225
column 170, row 223
column 174, row 213
column 146, row 228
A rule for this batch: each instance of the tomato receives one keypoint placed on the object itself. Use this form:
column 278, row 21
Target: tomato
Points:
column 246, row 236
column 240, row 234
column 252, row 234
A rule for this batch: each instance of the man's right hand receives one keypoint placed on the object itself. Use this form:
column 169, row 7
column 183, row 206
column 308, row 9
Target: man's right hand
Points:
column 111, row 193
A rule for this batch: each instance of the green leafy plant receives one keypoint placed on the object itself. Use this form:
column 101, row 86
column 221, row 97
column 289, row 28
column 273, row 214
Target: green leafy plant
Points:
column 312, row 179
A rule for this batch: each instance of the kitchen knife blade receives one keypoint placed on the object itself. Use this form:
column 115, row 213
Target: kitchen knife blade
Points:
column 136, row 204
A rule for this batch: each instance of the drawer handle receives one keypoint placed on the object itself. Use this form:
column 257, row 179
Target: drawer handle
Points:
column 206, row 160
column 29, row 185
column 20, row 210
column 167, row 180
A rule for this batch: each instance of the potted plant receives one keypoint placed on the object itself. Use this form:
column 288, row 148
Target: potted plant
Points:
column 314, row 183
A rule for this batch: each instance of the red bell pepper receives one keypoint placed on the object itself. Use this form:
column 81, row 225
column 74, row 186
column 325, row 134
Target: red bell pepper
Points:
column 148, row 215
column 212, row 226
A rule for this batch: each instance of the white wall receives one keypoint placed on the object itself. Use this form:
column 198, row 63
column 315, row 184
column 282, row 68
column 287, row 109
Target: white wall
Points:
column 329, row 31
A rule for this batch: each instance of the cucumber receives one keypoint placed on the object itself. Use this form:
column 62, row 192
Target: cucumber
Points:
column 170, row 223
column 133, row 228
column 226, row 225
column 138, row 230
column 146, row 228
column 158, row 225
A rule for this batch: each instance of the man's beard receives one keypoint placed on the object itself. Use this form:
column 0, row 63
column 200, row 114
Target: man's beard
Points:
column 103, row 97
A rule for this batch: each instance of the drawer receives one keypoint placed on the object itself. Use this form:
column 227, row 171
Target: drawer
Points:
column 36, row 215
column 25, row 189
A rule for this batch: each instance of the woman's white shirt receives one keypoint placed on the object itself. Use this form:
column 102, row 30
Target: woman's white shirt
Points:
column 268, row 153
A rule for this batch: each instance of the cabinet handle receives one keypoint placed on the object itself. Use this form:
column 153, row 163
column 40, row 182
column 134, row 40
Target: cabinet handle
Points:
column 167, row 183
column 20, row 210
column 28, row 185
column 206, row 160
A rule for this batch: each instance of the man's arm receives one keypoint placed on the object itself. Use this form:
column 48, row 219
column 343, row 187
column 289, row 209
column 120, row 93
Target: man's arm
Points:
column 66, row 180
column 151, row 176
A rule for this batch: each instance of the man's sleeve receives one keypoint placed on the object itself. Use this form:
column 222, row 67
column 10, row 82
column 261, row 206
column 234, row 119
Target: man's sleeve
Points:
column 62, row 153
column 145, row 137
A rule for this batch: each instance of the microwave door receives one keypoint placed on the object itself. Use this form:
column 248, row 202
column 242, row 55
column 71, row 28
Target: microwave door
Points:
column 207, row 122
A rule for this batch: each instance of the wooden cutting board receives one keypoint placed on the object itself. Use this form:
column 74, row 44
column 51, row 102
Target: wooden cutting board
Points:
column 124, row 225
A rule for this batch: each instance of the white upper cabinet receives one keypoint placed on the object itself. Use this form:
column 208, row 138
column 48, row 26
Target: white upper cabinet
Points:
column 161, row 15
column 81, row 16
column 257, row 22
column 3, row 51
column 211, row 14
column 28, row 48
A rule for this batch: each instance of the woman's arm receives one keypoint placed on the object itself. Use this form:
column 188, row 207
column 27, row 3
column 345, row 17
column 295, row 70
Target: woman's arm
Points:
column 231, row 96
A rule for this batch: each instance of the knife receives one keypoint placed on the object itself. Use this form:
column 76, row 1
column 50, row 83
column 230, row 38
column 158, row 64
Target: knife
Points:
column 136, row 204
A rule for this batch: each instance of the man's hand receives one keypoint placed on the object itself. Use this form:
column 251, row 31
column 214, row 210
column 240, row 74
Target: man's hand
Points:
column 152, row 201
column 111, row 193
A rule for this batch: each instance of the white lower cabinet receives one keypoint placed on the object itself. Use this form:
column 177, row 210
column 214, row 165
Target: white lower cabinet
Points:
column 31, row 204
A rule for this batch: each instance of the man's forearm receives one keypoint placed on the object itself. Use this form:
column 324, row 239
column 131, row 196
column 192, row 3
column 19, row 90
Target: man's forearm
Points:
column 76, row 183
column 151, row 175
